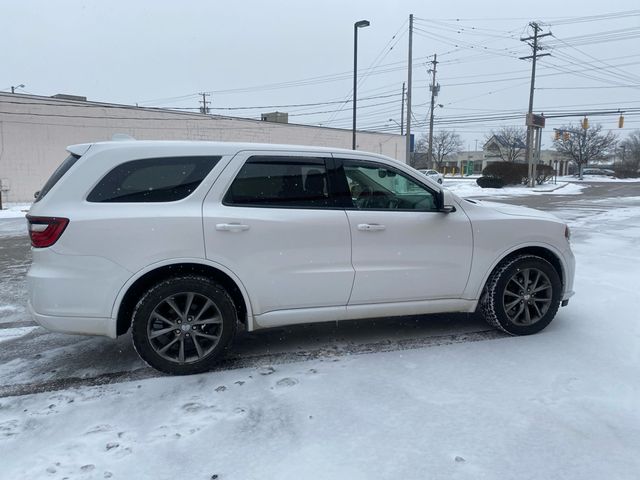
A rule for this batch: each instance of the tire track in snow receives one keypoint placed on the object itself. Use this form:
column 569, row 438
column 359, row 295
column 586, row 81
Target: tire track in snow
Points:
column 233, row 362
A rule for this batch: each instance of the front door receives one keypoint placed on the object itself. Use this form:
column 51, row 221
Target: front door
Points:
column 403, row 249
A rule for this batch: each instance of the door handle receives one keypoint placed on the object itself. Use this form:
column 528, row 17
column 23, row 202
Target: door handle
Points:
column 231, row 227
column 371, row 227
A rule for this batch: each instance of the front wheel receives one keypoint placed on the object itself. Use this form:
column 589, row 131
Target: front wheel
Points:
column 183, row 325
column 522, row 295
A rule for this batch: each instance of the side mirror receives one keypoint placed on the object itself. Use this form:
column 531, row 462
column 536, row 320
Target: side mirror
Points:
column 448, row 209
column 440, row 206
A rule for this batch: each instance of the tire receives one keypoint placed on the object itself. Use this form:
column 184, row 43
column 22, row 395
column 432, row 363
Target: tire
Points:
column 169, row 331
column 522, row 295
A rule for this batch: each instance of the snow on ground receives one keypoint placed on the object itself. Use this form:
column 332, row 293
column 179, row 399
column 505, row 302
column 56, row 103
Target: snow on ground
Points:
column 12, row 220
column 566, row 185
column 14, row 210
column 14, row 263
column 597, row 179
column 563, row 404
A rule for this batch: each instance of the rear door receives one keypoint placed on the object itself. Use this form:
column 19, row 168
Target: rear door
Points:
column 270, row 219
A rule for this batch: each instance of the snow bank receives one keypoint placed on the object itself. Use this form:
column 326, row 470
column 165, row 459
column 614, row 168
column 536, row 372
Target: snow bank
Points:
column 597, row 179
column 466, row 188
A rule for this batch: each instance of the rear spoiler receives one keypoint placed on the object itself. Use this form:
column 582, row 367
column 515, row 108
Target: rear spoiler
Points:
column 79, row 149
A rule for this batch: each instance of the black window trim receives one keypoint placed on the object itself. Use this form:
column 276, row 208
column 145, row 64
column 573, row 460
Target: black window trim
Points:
column 336, row 182
column 326, row 161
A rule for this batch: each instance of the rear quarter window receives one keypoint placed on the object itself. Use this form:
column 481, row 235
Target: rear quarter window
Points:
column 153, row 180
column 57, row 175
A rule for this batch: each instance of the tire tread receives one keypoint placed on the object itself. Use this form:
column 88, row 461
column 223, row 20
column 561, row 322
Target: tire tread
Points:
column 488, row 300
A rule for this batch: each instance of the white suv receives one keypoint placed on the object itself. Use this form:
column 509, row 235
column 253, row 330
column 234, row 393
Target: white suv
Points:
column 185, row 241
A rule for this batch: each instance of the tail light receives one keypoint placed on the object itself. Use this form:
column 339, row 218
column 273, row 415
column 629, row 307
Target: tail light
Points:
column 45, row 231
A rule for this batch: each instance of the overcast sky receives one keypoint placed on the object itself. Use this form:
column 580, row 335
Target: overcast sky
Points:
column 279, row 53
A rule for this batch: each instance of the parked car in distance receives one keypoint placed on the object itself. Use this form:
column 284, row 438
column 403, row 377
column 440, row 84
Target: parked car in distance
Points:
column 598, row 171
column 185, row 242
column 434, row 174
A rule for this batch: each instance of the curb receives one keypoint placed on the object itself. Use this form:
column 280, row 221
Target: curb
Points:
column 551, row 189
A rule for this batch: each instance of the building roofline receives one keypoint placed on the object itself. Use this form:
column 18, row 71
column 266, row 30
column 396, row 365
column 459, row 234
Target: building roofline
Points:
column 6, row 97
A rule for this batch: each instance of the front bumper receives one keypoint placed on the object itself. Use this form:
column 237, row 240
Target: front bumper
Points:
column 569, row 275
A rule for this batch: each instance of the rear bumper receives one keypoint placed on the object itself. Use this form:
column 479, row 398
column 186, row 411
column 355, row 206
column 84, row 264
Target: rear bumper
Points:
column 78, row 325
column 74, row 293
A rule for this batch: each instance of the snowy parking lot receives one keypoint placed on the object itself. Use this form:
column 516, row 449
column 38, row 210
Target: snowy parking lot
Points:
column 435, row 397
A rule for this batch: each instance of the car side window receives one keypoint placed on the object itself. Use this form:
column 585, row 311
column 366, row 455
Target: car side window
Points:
column 378, row 187
column 152, row 180
column 286, row 182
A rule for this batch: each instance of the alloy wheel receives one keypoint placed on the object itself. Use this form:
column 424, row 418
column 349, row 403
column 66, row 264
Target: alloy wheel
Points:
column 527, row 296
column 185, row 327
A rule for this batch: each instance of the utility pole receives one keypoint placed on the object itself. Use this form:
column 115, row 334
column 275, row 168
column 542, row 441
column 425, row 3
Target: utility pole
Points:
column 204, row 108
column 402, row 111
column 530, row 127
column 409, row 72
column 435, row 88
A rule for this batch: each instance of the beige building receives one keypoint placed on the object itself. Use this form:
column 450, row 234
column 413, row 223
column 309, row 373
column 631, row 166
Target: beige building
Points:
column 34, row 132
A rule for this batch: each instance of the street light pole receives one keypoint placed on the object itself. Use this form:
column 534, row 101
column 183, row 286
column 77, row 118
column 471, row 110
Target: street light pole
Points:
column 356, row 26
column 409, row 79
column 13, row 88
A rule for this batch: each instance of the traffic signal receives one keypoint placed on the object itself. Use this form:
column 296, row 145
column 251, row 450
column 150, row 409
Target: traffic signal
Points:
column 566, row 136
column 621, row 122
column 585, row 123
column 557, row 135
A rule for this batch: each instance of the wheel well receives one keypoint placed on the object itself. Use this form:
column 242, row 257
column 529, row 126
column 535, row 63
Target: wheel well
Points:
column 149, row 279
column 542, row 252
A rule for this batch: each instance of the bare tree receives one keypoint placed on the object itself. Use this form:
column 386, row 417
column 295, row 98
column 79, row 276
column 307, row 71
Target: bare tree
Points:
column 584, row 145
column 420, row 157
column 445, row 143
column 630, row 165
column 508, row 143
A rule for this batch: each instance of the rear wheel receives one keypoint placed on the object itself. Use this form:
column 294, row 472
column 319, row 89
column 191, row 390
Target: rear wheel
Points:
column 183, row 325
column 522, row 295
